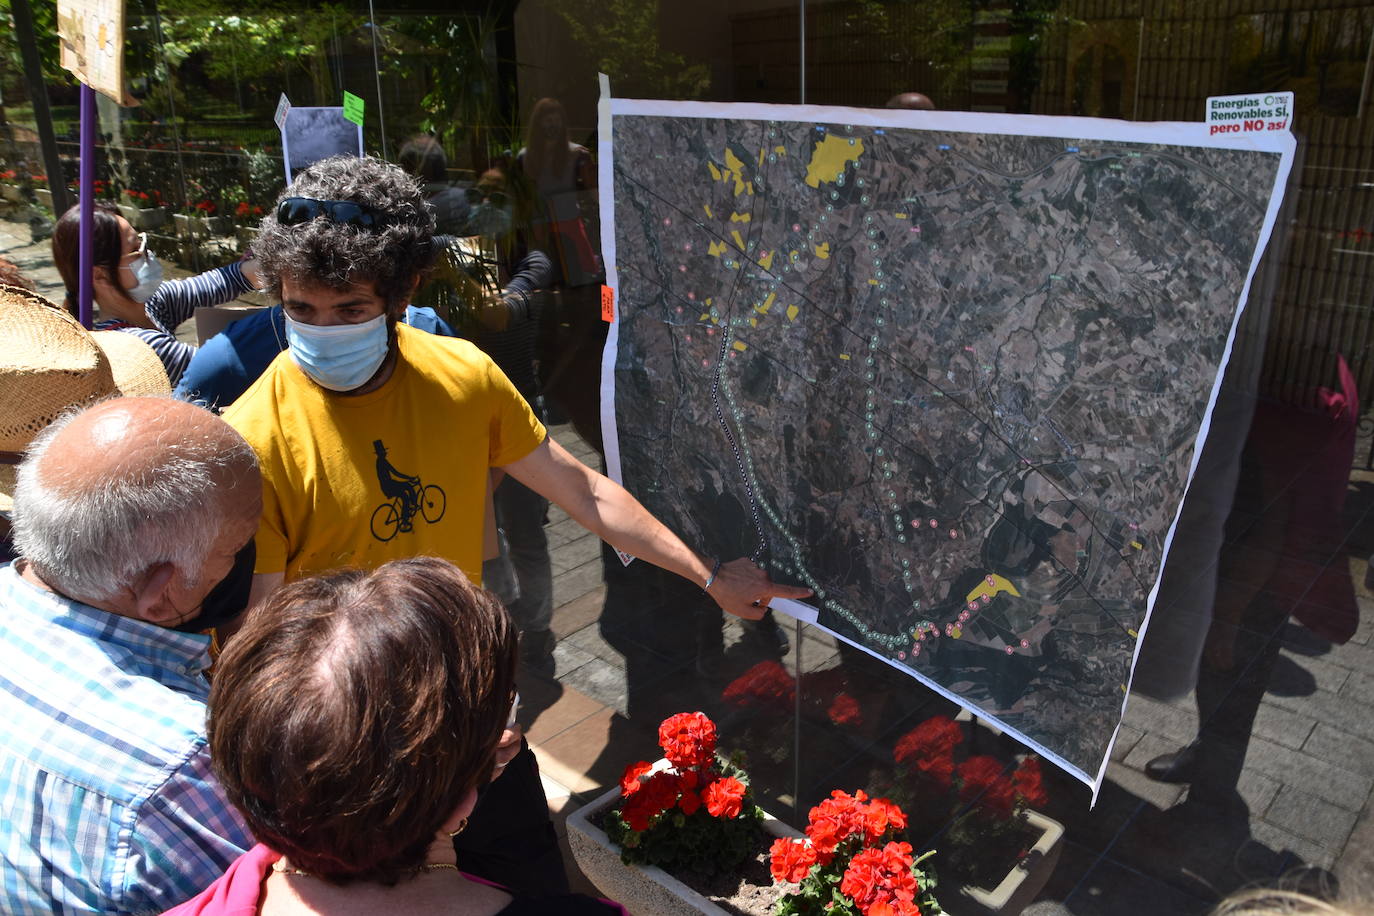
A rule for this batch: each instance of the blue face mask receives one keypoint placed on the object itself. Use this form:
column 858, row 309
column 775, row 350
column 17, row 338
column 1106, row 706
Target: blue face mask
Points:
column 147, row 273
column 339, row 357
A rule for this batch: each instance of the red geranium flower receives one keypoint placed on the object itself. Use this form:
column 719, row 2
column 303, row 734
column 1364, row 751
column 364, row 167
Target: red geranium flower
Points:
column 790, row 860
column 982, row 778
column 688, row 739
column 1027, row 781
column 844, row 710
column 656, row 794
column 689, row 802
column 835, row 820
column 767, row 684
column 882, row 815
column 881, row 876
column 929, row 748
column 724, row 796
column 633, row 777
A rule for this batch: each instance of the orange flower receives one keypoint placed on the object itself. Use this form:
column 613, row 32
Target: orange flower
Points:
column 688, row 739
column 724, row 797
column 633, row 777
column 790, row 860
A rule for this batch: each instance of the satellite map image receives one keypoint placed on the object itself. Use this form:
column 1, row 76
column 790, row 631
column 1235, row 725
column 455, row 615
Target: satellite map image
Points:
column 951, row 381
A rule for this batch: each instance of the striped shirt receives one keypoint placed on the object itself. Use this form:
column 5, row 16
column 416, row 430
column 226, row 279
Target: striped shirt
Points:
column 107, row 803
column 174, row 302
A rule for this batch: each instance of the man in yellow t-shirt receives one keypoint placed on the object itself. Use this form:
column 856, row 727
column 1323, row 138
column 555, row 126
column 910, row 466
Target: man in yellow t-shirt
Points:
column 359, row 405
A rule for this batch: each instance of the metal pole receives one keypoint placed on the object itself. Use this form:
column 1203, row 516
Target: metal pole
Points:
column 42, row 114
column 802, row 98
column 85, row 189
column 377, row 71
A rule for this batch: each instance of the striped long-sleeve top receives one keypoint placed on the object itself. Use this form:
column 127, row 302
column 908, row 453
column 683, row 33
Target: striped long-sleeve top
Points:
column 174, row 302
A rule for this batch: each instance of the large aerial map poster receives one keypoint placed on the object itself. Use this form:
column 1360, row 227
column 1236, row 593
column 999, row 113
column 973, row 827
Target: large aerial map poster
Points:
column 949, row 370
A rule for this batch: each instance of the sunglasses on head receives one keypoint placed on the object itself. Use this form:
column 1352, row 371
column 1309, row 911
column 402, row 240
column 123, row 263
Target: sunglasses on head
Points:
column 295, row 210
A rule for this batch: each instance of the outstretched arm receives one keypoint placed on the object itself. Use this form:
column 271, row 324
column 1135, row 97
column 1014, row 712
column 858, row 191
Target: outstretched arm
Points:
column 607, row 510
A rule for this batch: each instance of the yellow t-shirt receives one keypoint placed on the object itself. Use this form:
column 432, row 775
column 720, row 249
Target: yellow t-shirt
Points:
column 399, row 472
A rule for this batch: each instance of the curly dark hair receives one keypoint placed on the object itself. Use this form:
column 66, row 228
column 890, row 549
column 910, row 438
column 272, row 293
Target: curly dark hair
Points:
column 322, row 252
column 354, row 712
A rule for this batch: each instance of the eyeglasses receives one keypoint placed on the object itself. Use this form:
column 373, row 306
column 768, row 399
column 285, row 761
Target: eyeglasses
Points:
column 139, row 253
column 478, row 195
column 295, row 210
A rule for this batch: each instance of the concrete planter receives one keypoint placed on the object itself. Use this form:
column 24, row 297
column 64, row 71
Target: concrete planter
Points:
column 44, row 196
column 12, row 192
column 1021, row 885
column 144, row 218
column 199, row 227
column 642, row 889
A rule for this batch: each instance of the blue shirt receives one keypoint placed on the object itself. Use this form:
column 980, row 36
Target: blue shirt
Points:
column 107, row 803
column 233, row 359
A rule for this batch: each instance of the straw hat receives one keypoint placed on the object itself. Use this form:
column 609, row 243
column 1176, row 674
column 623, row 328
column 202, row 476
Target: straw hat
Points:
column 50, row 363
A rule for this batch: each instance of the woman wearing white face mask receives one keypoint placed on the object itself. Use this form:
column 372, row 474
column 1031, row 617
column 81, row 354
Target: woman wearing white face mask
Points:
column 129, row 288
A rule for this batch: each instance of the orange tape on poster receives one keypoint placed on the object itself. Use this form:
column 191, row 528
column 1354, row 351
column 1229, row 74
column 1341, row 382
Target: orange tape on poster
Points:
column 607, row 303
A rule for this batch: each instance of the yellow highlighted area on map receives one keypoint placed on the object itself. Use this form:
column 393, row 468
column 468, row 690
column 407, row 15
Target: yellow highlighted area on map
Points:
column 707, row 208
column 828, row 159
column 715, row 172
column 899, row 216
column 792, row 311
column 716, row 249
column 735, row 169
column 768, row 303
column 999, row 585
column 823, row 250
column 844, row 356
column 766, row 260
column 740, row 217
column 739, row 242
column 780, row 150
column 741, row 345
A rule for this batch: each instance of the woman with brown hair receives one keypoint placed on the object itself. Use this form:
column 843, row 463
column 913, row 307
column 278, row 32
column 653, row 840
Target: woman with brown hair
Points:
column 128, row 287
column 352, row 721
column 561, row 176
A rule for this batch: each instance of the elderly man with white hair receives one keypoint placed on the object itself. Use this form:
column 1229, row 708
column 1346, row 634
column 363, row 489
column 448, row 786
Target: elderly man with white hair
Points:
column 130, row 518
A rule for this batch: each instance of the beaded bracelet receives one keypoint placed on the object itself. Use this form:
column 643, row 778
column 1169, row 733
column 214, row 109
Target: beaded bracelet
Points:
column 712, row 577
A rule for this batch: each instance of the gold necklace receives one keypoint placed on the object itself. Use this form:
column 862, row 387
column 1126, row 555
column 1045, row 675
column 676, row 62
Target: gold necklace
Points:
column 281, row 868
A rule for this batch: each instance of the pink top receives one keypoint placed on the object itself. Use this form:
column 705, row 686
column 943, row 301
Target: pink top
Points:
column 238, row 891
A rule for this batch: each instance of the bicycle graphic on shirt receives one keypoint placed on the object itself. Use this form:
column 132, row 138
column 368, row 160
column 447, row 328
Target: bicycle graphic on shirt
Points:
column 407, row 497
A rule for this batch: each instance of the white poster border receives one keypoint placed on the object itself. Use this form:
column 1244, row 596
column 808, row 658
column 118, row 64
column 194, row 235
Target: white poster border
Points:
column 1175, row 133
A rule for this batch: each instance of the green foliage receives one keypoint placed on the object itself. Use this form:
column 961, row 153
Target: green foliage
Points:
column 623, row 37
column 453, row 56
